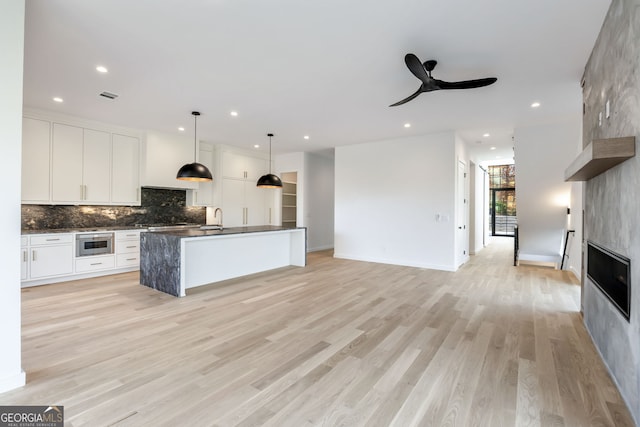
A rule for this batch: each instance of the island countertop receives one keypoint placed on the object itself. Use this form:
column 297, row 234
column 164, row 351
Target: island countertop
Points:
column 199, row 232
column 173, row 261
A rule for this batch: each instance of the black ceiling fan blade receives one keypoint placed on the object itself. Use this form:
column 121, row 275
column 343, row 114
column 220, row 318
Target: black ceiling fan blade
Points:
column 407, row 99
column 466, row 84
column 416, row 67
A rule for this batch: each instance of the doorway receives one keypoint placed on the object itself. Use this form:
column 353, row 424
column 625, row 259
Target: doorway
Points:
column 289, row 199
column 502, row 200
column 503, row 211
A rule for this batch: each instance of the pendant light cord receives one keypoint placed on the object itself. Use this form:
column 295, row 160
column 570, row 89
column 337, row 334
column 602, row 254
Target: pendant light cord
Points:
column 270, row 135
column 269, row 154
column 195, row 137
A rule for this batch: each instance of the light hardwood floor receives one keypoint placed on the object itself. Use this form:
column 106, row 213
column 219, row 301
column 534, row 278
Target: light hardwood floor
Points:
column 337, row 343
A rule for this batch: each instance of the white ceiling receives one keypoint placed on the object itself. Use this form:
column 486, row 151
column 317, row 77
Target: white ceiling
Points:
column 325, row 68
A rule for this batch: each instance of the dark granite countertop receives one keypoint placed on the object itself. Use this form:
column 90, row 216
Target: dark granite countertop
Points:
column 82, row 230
column 197, row 232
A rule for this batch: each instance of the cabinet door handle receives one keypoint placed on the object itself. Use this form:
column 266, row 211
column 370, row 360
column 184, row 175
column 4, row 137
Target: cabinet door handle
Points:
column 52, row 240
column 81, row 192
column 137, row 194
column 33, row 255
column 269, row 215
column 96, row 263
column 85, row 193
column 131, row 247
column 131, row 259
column 24, row 256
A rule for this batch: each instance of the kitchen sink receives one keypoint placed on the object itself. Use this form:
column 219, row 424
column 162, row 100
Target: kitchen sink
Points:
column 211, row 227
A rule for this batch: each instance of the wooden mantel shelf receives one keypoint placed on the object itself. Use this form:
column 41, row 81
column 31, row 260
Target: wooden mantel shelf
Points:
column 600, row 155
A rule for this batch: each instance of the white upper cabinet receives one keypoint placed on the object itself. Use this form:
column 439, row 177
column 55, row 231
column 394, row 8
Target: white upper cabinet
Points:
column 96, row 167
column 81, row 160
column 36, row 149
column 242, row 166
column 66, row 163
column 164, row 155
column 69, row 163
column 125, row 170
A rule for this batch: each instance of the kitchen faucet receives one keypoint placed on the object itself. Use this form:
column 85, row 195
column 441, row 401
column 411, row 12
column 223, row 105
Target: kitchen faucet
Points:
column 215, row 215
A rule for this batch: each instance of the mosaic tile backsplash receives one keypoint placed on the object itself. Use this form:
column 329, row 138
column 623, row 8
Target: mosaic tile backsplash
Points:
column 158, row 206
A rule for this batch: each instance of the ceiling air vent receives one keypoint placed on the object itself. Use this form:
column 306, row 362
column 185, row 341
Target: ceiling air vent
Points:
column 109, row 95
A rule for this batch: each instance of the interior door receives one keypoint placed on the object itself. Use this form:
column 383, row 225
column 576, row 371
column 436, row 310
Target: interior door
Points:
column 462, row 241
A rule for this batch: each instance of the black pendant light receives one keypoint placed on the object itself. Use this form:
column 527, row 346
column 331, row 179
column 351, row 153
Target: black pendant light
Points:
column 194, row 171
column 269, row 180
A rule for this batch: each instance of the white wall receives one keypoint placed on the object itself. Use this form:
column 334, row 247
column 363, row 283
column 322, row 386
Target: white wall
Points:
column 542, row 154
column 388, row 196
column 11, row 58
column 319, row 205
column 573, row 262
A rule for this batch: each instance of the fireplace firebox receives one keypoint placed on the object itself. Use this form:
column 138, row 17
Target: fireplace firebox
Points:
column 610, row 272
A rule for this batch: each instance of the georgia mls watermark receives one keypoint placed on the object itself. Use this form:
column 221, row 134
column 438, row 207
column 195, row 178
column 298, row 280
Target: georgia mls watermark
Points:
column 31, row 416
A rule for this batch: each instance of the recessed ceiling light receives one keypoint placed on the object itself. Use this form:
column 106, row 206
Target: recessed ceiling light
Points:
column 181, row 129
column 256, row 146
column 492, row 148
column 306, row 137
column 234, row 113
column 486, row 135
column 535, row 105
column 407, row 125
column 58, row 99
column 101, row 69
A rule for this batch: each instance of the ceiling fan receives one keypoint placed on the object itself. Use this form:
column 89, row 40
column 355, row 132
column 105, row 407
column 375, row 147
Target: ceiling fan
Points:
column 423, row 72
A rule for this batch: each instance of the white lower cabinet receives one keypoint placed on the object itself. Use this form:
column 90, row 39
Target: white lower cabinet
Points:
column 94, row 263
column 51, row 258
column 24, row 258
column 128, row 248
column 50, row 255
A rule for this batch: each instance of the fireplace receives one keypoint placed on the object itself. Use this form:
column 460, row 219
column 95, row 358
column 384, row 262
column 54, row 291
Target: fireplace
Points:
column 610, row 272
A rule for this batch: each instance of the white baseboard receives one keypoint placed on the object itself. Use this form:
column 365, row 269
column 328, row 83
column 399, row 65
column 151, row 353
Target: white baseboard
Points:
column 396, row 262
column 12, row 382
column 320, row 248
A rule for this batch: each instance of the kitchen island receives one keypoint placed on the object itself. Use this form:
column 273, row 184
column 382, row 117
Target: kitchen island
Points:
column 173, row 261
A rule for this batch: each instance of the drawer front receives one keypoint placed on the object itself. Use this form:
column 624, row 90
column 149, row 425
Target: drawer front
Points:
column 51, row 239
column 128, row 260
column 128, row 235
column 94, row 263
column 128, row 246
